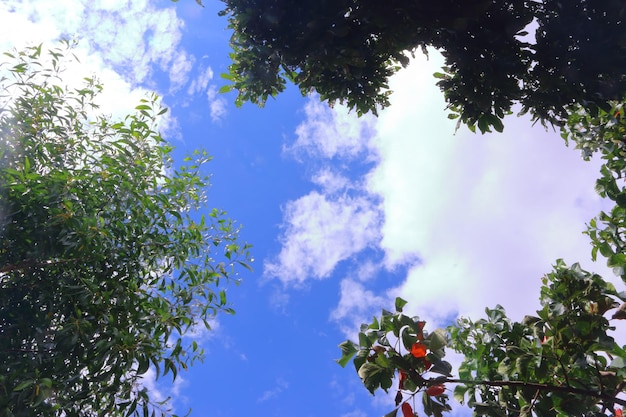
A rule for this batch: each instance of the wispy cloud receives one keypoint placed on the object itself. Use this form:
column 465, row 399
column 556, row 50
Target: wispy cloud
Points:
column 320, row 231
column 217, row 104
column 202, row 85
column 133, row 38
column 162, row 389
column 281, row 385
column 201, row 82
column 355, row 413
column 127, row 44
column 341, row 218
column 356, row 305
column 330, row 133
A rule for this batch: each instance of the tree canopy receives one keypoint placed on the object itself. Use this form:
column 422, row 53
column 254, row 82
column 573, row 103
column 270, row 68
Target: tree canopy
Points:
column 346, row 50
column 108, row 254
column 560, row 362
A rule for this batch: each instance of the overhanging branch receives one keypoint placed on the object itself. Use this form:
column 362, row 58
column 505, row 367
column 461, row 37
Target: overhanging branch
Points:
column 541, row 387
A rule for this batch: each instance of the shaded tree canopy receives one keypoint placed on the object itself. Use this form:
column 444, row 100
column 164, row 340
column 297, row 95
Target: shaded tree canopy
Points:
column 346, row 50
column 106, row 262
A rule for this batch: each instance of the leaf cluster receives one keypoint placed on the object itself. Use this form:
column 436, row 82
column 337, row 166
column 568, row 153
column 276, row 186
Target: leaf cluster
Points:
column 105, row 262
column 346, row 50
column 604, row 132
column 563, row 361
column 560, row 362
column 397, row 343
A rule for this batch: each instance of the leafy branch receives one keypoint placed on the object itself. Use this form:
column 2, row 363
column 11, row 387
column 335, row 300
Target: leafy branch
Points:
column 539, row 387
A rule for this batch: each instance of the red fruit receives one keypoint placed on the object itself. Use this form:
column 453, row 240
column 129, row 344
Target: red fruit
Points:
column 618, row 412
column 407, row 411
column 418, row 350
column 435, row 390
column 427, row 364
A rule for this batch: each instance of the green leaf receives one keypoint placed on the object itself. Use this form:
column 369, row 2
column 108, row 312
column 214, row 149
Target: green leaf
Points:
column 360, row 359
column 400, row 303
column 364, row 341
column 225, row 89
column 459, row 393
column 374, row 376
column 438, row 339
column 348, row 350
column 442, row 368
column 483, row 124
column 23, row 385
column 143, row 365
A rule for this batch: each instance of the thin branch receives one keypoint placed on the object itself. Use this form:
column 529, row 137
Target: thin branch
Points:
column 541, row 387
column 32, row 263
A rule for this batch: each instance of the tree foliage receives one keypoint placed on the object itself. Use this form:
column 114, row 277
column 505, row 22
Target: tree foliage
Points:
column 346, row 50
column 562, row 361
column 106, row 262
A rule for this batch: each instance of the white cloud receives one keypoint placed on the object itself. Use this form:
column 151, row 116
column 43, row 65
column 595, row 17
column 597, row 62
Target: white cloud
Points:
column 331, row 225
column 367, row 270
column 356, row 305
column 281, row 385
column 320, row 232
column 217, row 104
column 476, row 219
column 201, row 82
column 331, row 181
column 179, row 70
column 331, row 133
column 355, row 413
column 160, row 391
column 199, row 332
column 487, row 215
column 123, row 43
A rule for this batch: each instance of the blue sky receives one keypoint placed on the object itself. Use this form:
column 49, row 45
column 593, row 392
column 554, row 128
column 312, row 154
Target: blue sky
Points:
column 344, row 214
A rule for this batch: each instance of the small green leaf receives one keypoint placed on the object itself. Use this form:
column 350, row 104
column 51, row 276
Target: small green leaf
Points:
column 400, row 303
column 438, row 339
column 364, row 341
column 23, row 385
column 143, row 365
column 46, row 382
column 459, row 393
column 225, row 89
column 348, row 350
